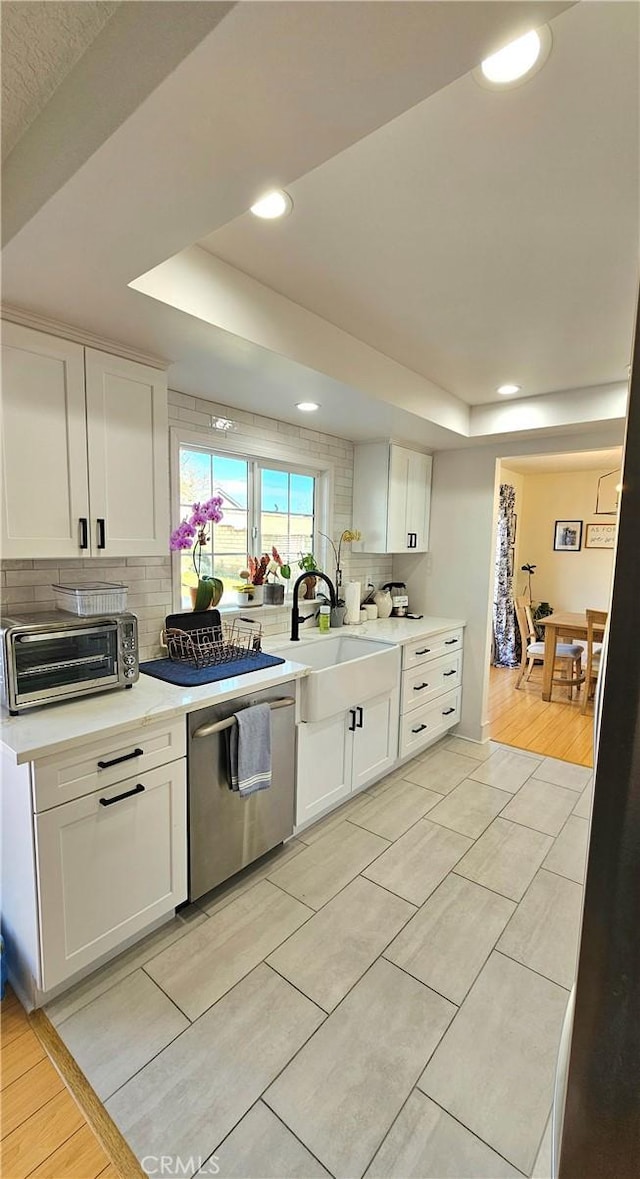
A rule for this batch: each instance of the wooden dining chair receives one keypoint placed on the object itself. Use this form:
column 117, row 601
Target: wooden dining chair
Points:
column 596, row 622
column 568, row 655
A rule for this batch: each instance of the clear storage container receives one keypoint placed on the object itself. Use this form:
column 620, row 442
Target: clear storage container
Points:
column 93, row 597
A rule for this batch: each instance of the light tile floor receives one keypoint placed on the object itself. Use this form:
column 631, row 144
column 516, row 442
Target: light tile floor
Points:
column 383, row 996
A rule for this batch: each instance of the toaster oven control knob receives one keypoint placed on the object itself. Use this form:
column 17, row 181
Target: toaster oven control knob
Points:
column 129, row 659
column 129, row 673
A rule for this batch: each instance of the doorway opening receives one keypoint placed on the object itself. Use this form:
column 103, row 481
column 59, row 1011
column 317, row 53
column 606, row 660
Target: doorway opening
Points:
column 555, row 548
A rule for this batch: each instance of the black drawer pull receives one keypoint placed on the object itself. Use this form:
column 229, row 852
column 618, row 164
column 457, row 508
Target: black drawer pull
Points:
column 448, row 711
column 102, row 544
column 419, row 729
column 84, row 532
column 425, row 651
column 118, row 797
column 352, row 726
column 454, row 672
column 419, row 687
column 448, row 642
column 360, row 716
column 104, row 765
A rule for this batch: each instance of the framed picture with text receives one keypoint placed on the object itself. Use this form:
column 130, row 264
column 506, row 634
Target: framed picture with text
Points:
column 567, row 537
column 600, row 536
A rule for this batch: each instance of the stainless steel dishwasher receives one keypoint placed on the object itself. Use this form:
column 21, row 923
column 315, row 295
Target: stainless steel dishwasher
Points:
column 226, row 831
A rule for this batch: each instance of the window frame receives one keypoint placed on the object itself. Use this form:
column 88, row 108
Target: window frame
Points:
column 259, row 453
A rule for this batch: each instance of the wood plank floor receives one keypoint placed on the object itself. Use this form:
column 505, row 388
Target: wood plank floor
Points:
column 43, row 1132
column 522, row 718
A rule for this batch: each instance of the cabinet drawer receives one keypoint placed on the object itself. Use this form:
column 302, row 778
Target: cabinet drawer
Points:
column 421, row 726
column 65, row 776
column 424, row 650
column 431, row 680
column 109, row 864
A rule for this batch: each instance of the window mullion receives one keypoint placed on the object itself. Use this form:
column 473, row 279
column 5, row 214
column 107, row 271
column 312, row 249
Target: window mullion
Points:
column 255, row 531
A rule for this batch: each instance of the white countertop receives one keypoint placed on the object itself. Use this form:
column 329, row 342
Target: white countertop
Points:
column 56, row 727
column 383, row 630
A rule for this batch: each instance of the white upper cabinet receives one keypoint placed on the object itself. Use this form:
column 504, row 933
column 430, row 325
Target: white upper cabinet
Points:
column 45, row 511
column 391, row 498
column 127, row 431
column 85, row 451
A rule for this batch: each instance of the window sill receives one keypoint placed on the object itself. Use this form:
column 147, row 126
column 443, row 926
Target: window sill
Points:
column 226, row 611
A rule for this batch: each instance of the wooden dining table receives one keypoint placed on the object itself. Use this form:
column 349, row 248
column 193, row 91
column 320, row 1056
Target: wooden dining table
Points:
column 563, row 625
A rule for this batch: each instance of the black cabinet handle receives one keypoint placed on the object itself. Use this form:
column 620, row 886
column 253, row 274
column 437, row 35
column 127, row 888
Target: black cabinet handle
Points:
column 448, row 711
column 448, row 642
column 415, row 540
column 104, row 765
column 419, row 729
column 360, row 715
column 101, row 533
column 352, row 726
column 419, row 687
column 118, row 797
column 454, row 672
column 84, row 532
column 425, row 651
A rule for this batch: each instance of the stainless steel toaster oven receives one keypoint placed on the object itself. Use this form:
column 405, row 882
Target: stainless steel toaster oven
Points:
column 52, row 656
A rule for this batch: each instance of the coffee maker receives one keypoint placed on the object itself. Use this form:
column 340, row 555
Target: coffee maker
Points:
column 399, row 598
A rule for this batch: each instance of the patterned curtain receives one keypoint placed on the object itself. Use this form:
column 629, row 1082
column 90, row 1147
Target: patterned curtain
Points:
column 506, row 638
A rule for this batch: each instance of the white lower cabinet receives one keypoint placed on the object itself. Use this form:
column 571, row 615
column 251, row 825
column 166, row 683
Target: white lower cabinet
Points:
column 109, row 864
column 431, row 689
column 344, row 754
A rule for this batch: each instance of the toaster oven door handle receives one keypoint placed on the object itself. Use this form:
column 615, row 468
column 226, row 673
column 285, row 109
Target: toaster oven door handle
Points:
column 75, row 632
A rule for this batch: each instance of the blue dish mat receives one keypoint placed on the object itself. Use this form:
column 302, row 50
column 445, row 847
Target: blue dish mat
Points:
column 189, row 677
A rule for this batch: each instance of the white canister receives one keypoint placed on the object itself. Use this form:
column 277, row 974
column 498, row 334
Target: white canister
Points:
column 363, row 615
column 352, row 601
column 371, row 610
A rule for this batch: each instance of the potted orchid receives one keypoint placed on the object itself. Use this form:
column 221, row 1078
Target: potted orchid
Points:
column 349, row 536
column 192, row 533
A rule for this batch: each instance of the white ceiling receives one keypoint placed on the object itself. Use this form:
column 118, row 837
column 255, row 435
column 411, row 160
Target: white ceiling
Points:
column 554, row 464
column 41, row 42
column 482, row 236
column 276, row 93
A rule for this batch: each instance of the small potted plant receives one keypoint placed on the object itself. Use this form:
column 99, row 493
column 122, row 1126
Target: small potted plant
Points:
column 309, row 565
column 274, row 589
column 206, row 591
column 251, row 594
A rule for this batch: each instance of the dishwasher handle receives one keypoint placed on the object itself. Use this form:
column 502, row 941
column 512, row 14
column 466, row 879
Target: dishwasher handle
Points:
column 229, row 721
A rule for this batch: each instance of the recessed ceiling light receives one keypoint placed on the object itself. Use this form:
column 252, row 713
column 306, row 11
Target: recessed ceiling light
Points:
column 307, row 406
column 517, row 61
column 505, row 390
column 276, row 203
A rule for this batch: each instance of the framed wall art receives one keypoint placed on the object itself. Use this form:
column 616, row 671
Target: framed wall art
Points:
column 600, row 536
column 567, row 537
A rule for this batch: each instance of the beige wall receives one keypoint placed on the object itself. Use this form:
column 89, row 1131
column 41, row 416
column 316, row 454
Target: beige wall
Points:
column 569, row 581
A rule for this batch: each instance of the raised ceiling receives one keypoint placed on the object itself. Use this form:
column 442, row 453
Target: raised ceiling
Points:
column 555, row 464
column 41, row 42
column 258, row 94
column 481, row 236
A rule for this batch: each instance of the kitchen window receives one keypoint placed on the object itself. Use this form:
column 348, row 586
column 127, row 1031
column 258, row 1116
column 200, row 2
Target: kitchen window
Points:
column 265, row 504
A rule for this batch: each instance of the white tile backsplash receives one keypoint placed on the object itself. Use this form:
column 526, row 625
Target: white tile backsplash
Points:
column 26, row 584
